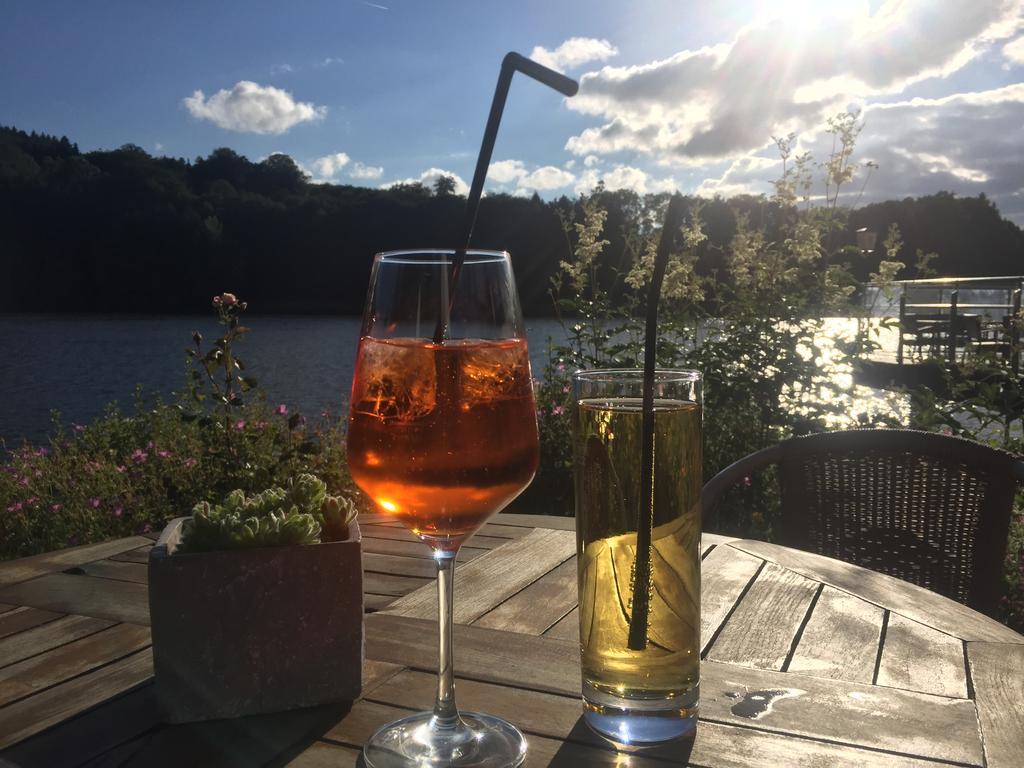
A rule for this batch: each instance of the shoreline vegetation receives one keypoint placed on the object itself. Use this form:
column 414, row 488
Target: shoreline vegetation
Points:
column 749, row 284
column 120, row 231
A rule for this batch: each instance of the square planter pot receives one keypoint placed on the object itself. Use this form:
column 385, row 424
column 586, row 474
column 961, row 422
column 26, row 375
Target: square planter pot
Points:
column 260, row 630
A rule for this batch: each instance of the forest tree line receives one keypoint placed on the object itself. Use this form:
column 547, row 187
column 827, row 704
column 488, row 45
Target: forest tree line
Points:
column 123, row 231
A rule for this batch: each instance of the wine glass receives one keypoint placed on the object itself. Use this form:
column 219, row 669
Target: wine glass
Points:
column 442, row 435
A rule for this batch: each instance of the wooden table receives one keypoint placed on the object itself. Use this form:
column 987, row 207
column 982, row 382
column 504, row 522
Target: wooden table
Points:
column 807, row 661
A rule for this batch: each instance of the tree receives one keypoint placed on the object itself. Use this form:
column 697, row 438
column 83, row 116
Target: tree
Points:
column 444, row 186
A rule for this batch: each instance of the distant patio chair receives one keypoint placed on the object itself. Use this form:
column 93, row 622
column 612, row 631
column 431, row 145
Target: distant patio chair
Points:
column 930, row 509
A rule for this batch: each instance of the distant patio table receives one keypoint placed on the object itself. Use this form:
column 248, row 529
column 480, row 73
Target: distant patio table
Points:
column 807, row 662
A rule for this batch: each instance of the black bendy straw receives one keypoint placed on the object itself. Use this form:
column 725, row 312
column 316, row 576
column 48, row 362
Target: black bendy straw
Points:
column 512, row 63
column 641, row 603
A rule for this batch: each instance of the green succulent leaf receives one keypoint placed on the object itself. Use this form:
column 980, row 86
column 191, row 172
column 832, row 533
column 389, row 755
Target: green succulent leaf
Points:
column 301, row 513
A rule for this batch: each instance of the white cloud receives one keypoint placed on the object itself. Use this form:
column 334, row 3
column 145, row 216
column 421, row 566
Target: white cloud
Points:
column 253, row 108
column 1014, row 51
column 624, row 177
column 778, row 75
column 590, row 161
column 506, row 171
column 282, row 69
column 965, row 143
column 329, row 166
column 431, row 175
column 328, row 61
column 360, row 171
column 158, row 147
column 513, row 177
column 574, row 52
column 546, row 178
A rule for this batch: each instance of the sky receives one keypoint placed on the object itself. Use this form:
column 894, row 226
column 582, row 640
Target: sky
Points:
column 680, row 94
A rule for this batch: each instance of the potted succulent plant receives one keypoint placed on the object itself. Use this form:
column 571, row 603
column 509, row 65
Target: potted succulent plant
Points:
column 256, row 604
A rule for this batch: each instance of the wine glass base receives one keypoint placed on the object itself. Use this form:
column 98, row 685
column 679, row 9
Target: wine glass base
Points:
column 476, row 741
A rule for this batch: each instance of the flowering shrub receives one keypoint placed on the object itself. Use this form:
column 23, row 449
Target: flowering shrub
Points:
column 129, row 474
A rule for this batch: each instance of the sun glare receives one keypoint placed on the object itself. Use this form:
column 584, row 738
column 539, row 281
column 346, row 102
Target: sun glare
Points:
column 808, row 15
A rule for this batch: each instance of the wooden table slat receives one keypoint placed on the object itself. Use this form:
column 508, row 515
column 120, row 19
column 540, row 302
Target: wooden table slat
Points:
column 402, row 534
column 84, row 595
column 918, row 658
column 761, row 631
column 567, row 628
column 118, row 570
column 539, row 606
column 536, row 521
column 22, row 618
column 488, row 580
column 912, row 601
column 397, row 565
column 26, row 568
column 36, row 673
column 872, row 717
column 386, row 584
column 558, row 717
column 841, row 638
column 725, row 573
column 415, row 549
column 140, row 555
column 997, row 675
column 46, row 636
column 36, row 713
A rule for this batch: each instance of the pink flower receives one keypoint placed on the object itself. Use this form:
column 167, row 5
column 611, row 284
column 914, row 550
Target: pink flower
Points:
column 31, row 501
column 23, row 482
column 117, row 512
column 216, row 301
column 15, row 507
column 121, row 468
column 42, row 451
column 57, row 507
column 240, row 425
column 189, row 463
column 281, row 410
column 565, row 390
column 139, row 456
column 94, row 503
column 147, row 528
column 228, row 299
column 78, row 427
column 747, row 482
column 557, row 410
column 163, row 454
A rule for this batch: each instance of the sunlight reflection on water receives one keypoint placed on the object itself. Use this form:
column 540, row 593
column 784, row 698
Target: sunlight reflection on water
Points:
column 853, row 404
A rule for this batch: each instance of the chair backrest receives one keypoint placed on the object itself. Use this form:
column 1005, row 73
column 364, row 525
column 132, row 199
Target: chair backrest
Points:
column 927, row 508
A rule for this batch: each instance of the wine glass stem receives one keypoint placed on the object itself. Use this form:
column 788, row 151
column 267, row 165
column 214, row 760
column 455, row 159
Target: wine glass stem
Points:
column 446, row 714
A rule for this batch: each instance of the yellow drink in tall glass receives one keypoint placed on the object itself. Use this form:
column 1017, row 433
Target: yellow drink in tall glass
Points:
column 638, row 695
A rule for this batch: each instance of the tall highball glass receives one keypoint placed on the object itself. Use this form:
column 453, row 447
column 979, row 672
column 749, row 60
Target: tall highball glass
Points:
column 640, row 647
column 443, row 435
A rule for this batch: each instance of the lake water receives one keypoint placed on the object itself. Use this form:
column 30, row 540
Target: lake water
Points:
column 77, row 364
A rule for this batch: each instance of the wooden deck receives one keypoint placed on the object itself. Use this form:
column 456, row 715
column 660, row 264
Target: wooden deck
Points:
column 806, row 661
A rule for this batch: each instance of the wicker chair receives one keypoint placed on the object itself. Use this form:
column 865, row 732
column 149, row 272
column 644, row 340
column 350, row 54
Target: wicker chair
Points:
column 927, row 508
